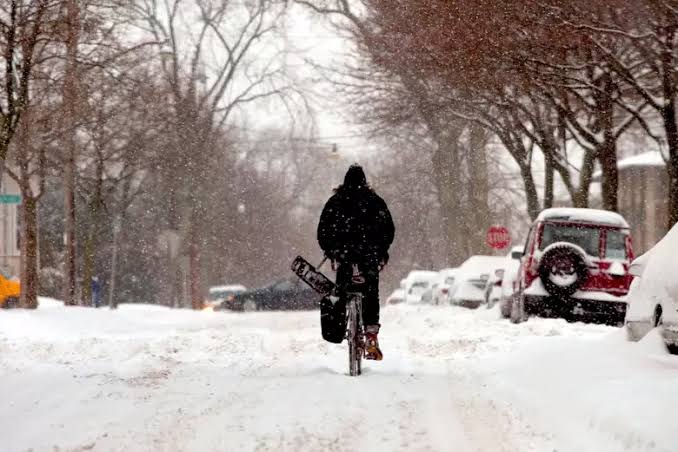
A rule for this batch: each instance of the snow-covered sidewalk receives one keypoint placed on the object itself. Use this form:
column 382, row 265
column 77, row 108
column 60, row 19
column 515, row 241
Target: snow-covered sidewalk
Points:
column 148, row 378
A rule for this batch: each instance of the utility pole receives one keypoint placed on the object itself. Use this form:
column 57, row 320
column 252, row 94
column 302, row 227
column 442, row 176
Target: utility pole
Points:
column 70, row 107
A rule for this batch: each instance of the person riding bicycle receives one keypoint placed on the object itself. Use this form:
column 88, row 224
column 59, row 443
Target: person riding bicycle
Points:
column 356, row 228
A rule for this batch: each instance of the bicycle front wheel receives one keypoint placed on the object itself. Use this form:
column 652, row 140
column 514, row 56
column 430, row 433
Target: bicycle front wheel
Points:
column 354, row 340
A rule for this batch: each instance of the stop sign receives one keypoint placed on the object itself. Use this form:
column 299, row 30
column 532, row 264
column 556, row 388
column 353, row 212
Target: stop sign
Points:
column 498, row 237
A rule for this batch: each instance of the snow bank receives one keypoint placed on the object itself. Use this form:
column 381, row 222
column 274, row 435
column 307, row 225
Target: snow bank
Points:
column 593, row 393
column 147, row 378
column 49, row 303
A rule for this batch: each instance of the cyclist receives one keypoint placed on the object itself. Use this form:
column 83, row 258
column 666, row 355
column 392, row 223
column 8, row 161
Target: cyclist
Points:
column 356, row 227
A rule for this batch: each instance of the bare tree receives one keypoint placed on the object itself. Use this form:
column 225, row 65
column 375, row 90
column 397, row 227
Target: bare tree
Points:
column 23, row 25
column 207, row 88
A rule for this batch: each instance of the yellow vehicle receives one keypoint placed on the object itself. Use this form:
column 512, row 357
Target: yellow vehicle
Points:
column 9, row 292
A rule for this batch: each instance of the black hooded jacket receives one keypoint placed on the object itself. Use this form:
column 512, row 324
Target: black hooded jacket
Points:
column 355, row 224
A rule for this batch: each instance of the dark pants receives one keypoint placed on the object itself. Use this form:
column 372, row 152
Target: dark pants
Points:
column 369, row 289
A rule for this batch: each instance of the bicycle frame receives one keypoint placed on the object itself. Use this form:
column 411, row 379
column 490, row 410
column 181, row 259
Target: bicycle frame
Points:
column 355, row 331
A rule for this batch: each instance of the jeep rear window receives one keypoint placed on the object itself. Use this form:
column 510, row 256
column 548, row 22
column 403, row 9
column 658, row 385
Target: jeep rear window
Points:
column 615, row 245
column 586, row 238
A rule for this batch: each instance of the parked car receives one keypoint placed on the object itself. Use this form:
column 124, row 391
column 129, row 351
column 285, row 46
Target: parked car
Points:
column 493, row 287
column 397, row 297
column 10, row 290
column 575, row 266
column 416, row 283
column 471, row 280
column 219, row 297
column 653, row 297
column 509, row 280
column 442, row 294
column 285, row 294
column 427, row 296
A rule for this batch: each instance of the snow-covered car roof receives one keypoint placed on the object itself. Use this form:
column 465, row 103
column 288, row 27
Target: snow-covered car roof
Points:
column 228, row 288
column 593, row 216
column 419, row 275
column 448, row 272
column 477, row 265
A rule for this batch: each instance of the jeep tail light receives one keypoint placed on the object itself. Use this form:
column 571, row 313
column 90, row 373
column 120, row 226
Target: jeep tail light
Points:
column 531, row 269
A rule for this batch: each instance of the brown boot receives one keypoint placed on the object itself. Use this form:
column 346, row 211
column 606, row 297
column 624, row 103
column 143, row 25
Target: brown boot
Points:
column 372, row 350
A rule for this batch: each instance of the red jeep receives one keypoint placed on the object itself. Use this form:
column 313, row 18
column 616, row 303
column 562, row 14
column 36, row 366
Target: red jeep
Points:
column 575, row 266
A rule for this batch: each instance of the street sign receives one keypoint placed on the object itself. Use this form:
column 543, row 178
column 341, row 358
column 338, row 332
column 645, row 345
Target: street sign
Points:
column 498, row 237
column 10, row 199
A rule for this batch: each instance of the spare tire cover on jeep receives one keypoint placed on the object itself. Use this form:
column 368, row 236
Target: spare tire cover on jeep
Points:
column 563, row 269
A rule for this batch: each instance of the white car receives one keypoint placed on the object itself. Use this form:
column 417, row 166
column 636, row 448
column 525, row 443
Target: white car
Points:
column 472, row 277
column 397, row 297
column 416, row 283
column 442, row 293
column 653, row 296
column 219, row 296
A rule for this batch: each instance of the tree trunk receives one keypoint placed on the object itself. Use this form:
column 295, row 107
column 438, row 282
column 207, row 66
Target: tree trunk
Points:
column 446, row 178
column 194, row 264
column 447, row 189
column 70, row 106
column 96, row 209
column 29, row 250
column 610, row 180
column 478, row 189
column 669, row 117
column 117, row 228
column 88, row 267
column 607, row 151
column 549, row 181
column 531, row 195
column 581, row 196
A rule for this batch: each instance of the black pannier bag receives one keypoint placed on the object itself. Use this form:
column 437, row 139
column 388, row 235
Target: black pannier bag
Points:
column 333, row 319
column 332, row 309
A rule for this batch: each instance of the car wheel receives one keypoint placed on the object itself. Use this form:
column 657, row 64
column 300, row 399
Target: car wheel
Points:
column 11, row 303
column 518, row 309
column 659, row 323
column 562, row 270
column 505, row 307
column 249, row 305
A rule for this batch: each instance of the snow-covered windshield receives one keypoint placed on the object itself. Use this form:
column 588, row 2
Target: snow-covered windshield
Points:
column 419, row 286
column 586, row 237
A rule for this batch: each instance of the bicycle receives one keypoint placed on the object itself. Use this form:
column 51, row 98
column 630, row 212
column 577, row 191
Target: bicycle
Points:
column 353, row 331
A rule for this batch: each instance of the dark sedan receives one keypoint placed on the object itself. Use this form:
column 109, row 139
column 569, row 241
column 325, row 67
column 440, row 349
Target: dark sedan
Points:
column 286, row 294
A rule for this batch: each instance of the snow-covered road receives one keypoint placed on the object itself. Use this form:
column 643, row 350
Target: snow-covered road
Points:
column 147, row 378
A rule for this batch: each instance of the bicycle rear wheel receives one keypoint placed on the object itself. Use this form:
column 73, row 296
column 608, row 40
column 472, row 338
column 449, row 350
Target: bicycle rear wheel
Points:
column 355, row 348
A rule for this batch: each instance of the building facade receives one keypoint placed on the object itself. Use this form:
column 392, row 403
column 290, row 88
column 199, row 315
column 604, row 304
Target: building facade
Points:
column 643, row 198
